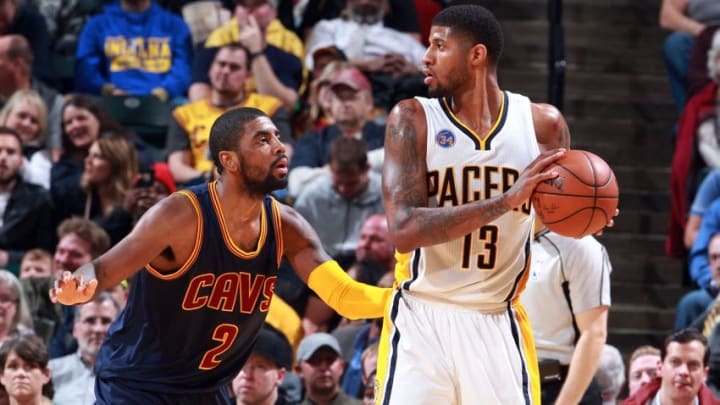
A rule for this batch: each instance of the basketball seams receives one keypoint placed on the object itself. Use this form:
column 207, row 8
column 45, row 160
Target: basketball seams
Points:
column 594, row 189
column 569, row 204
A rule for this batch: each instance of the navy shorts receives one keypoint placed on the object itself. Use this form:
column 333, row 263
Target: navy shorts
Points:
column 115, row 392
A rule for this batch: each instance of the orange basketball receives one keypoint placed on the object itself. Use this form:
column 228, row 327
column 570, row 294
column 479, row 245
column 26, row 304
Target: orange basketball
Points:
column 582, row 199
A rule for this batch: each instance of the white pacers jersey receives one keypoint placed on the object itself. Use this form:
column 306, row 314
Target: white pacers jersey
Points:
column 482, row 270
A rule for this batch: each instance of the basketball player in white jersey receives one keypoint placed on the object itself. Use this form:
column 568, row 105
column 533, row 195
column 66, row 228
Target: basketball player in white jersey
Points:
column 458, row 173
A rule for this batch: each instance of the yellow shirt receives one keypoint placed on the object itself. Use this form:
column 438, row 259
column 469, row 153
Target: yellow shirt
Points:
column 197, row 118
column 275, row 34
column 284, row 318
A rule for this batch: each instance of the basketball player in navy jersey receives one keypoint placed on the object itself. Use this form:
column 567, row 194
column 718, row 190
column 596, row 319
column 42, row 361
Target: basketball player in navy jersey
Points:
column 458, row 173
column 210, row 256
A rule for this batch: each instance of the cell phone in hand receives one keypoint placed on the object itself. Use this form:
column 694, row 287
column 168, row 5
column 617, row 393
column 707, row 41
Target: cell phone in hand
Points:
column 145, row 179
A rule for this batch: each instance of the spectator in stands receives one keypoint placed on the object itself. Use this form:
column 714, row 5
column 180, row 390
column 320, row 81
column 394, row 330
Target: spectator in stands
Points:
column 350, row 108
column 686, row 19
column 149, row 187
column 391, row 59
column 694, row 303
column 187, row 141
column 259, row 381
column 83, row 119
column 72, row 375
column 314, row 114
column 402, row 15
column 350, row 191
column 567, row 299
column 683, row 372
column 25, row 373
column 16, row 60
column 320, row 365
column 276, row 53
column 369, row 369
column 708, row 192
column 26, row 211
column 36, row 263
column 22, row 20
column 110, row 169
column 15, row 318
column 610, row 374
column 374, row 259
column 25, row 112
column 642, row 367
column 696, row 146
column 64, row 20
column 134, row 47
column 375, row 251
column 81, row 241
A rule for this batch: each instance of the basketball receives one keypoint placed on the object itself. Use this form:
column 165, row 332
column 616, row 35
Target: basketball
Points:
column 582, row 199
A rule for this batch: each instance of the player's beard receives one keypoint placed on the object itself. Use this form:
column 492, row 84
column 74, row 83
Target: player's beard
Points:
column 265, row 184
column 456, row 78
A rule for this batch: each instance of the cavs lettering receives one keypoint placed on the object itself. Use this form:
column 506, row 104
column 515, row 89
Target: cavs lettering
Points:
column 453, row 186
column 243, row 292
column 224, row 292
column 152, row 55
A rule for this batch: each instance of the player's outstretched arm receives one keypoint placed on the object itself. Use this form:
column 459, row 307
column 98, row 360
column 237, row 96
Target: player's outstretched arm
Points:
column 323, row 275
column 164, row 226
column 411, row 223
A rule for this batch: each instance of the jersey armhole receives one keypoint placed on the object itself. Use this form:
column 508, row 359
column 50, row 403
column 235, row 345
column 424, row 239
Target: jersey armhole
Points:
column 277, row 222
column 196, row 248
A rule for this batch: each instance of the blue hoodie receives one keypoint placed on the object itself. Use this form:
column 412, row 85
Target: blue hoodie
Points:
column 136, row 52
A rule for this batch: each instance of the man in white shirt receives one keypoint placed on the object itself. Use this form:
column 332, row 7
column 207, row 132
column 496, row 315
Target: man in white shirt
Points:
column 72, row 375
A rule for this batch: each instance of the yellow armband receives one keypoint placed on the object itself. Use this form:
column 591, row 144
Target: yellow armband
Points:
column 348, row 297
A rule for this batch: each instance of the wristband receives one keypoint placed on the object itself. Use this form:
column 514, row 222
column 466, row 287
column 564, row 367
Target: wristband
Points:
column 254, row 55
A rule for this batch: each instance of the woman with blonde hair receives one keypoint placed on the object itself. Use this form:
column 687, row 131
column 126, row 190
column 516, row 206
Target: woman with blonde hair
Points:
column 15, row 316
column 26, row 113
column 110, row 168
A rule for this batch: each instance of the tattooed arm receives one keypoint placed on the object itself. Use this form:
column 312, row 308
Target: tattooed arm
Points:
column 411, row 223
column 348, row 297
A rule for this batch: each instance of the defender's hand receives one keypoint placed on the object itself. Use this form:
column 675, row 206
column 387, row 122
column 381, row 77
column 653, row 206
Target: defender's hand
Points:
column 71, row 290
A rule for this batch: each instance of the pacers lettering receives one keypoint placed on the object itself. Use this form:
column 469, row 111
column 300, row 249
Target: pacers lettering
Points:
column 227, row 290
column 471, row 184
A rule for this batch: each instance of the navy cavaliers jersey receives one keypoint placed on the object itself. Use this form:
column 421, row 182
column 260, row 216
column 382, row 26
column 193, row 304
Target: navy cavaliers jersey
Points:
column 483, row 269
column 191, row 330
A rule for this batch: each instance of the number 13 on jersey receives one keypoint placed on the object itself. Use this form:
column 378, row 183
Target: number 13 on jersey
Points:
column 479, row 249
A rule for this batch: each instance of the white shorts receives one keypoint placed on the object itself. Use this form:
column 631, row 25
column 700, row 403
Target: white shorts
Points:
column 437, row 353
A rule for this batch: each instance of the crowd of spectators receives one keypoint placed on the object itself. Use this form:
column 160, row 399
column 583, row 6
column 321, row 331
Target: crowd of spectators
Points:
column 75, row 177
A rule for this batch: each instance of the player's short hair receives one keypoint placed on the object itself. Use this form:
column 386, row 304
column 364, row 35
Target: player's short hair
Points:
column 683, row 336
column 477, row 24
column 227, row 130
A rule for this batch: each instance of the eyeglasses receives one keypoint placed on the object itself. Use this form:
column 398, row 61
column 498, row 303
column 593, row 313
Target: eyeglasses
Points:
column 5, row 299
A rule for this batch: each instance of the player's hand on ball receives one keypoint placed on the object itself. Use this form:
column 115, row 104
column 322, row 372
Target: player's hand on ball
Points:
column 71, row 290
column 532, row 176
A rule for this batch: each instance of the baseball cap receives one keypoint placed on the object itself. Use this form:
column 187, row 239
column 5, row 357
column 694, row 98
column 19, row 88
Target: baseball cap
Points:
column 331, row 50
column 350, row 77
column 163, row 175
column 273, row 346
column 311, row 343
